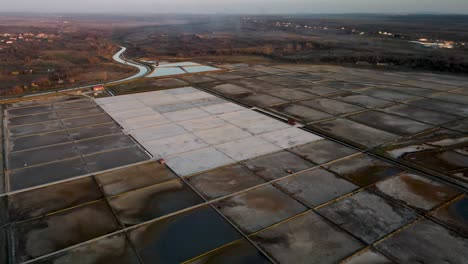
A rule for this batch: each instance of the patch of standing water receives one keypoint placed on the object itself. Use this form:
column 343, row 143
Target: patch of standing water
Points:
column 195, row 69
column 159, row 72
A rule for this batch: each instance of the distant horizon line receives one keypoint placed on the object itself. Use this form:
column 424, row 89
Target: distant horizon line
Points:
column 220, row 13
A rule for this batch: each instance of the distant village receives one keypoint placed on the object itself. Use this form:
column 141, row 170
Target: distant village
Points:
column 12, row 41
column 11, row 38
column 442, row 44
column 425, row 42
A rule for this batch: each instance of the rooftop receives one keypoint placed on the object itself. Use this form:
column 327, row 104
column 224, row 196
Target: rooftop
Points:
column 373, row 170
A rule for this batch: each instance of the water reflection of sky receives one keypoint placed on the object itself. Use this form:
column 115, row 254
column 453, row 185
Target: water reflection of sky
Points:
column 180, row 68
column 166, row 72
column 195, row 69
column 179, row 64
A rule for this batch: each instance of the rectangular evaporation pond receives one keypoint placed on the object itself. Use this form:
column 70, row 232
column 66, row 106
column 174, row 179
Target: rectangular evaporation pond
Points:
column 159, row 72
column 195, row 69
column 179, row 64
column 191, row 139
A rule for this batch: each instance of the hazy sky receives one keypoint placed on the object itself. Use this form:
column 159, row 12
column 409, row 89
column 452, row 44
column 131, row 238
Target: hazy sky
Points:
column 237, row 6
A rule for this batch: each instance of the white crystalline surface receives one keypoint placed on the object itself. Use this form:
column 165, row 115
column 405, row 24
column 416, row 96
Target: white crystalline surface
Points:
column 194, row 137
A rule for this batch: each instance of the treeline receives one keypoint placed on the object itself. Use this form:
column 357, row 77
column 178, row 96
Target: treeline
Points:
column 455, row 61
column 67, row 60
column 433, row 61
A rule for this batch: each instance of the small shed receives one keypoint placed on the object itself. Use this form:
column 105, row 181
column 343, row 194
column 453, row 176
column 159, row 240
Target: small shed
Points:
column 98, row 88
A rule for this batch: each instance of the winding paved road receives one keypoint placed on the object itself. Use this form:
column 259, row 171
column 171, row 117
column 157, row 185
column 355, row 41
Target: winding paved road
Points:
column 143, row 70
